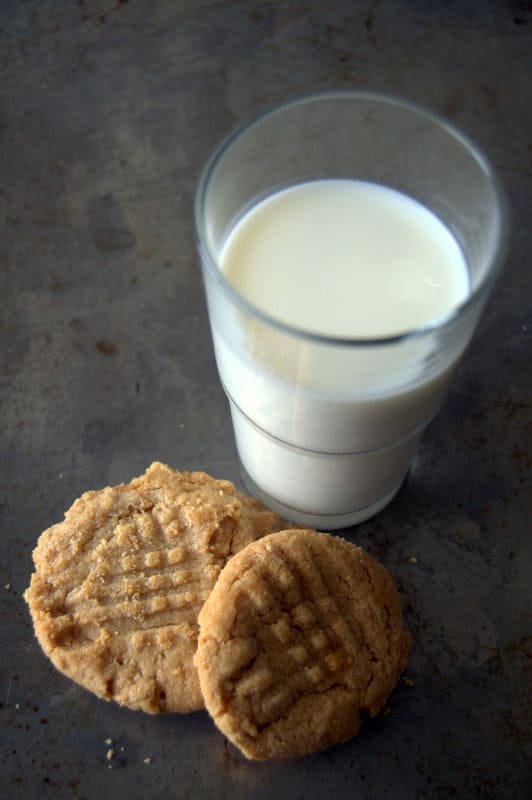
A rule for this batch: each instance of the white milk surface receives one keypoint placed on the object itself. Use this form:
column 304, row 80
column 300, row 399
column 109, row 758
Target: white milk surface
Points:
column 346, row 258
column 325, row 429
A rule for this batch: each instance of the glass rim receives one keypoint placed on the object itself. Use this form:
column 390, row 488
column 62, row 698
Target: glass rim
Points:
column 493, row 268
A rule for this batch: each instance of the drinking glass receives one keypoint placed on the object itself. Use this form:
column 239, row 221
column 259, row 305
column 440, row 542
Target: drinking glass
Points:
column 325, row 426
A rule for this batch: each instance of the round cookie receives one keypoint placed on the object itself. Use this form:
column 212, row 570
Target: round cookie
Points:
column 118, row 584
column 302, row 635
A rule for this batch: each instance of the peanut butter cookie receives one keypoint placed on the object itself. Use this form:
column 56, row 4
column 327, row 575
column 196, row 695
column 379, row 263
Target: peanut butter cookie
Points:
column 118, row 584
column 301, row 636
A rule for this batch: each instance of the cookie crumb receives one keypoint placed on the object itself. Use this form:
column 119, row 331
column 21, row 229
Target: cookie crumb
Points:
column 7, row 586
column 108, row 741
column 17, row 706
column 147, row 760
column 413, row 560
column 110, row 754
column 408, row 681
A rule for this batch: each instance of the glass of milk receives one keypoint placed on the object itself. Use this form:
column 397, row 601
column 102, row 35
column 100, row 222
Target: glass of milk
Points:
column 348, row 244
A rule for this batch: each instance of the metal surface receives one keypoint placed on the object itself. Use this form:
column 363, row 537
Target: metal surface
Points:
column 109, row 109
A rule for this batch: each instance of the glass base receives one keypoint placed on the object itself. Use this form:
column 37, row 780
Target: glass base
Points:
column 321, row 522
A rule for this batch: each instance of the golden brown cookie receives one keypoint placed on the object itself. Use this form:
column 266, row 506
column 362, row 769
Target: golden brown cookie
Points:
column 119, row 583
column 302, row 635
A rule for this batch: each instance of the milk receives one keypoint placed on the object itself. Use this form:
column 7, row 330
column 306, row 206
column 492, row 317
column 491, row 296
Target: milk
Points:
column 345, row 258
column 326, row 427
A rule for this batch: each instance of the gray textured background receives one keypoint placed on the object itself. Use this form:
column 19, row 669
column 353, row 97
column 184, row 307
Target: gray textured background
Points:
column 108, row 111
